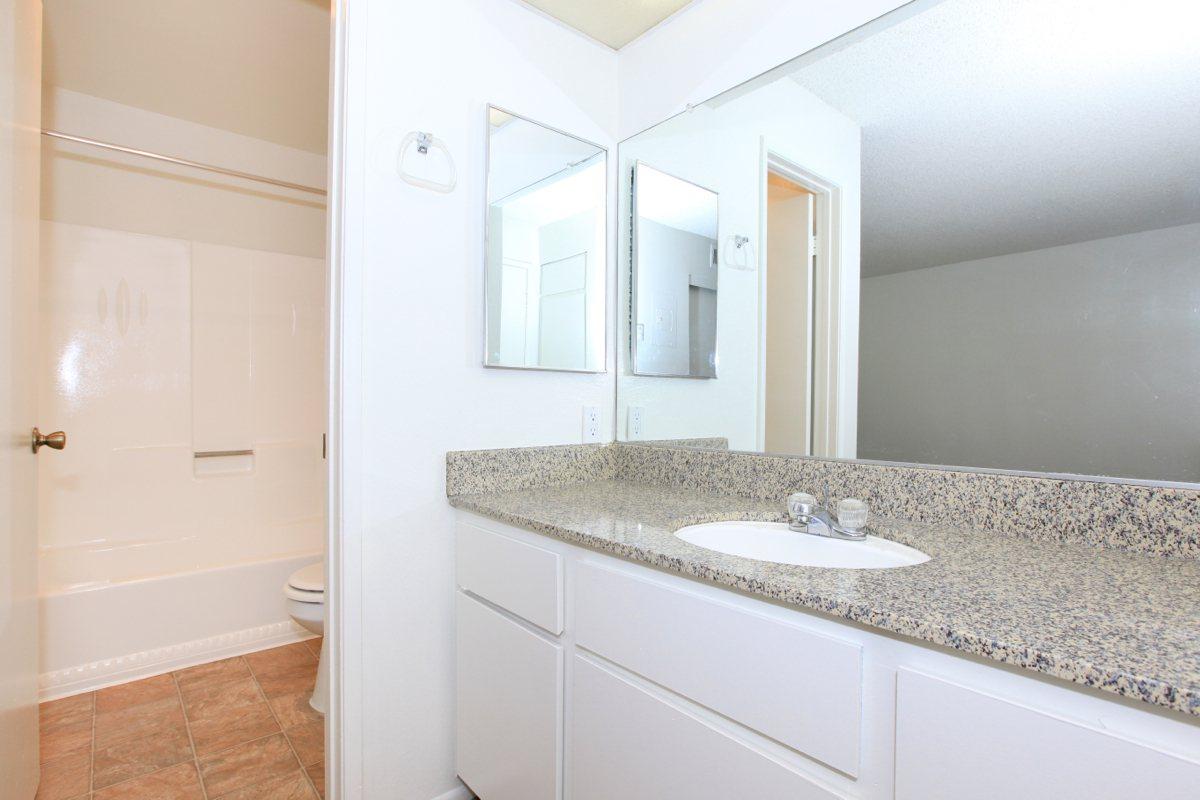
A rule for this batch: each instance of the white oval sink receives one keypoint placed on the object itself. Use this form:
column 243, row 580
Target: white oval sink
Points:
column 774, row 541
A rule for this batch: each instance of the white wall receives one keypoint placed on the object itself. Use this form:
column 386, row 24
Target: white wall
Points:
column 414, row 283
column 722, row 149
column 1083, row 358
column 715, row 45
column 411, row 382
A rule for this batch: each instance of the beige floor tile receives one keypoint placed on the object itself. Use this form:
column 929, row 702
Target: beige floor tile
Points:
column 284, row 670
column 155, row 718
column 67, row 709
column 247, row 765
column 228, row 714
column 127, row 695
column 66, row 777
column 180, row 782
column 65, row 726
column 286, row 787
column 279, row 657
column 137, row 756
column 308, row 741
column 314, row 646
column 316, row 772
column 213, row 674
column 294, row 709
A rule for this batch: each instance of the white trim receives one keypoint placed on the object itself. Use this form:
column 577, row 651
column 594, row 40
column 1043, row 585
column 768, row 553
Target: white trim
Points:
column 147, row 663
column 343, row 578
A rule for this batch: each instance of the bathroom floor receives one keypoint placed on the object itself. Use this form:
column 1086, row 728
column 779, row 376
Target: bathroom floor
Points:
column 235, row 729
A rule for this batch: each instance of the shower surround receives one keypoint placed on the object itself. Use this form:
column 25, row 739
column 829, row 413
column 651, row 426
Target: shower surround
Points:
column 189, row 379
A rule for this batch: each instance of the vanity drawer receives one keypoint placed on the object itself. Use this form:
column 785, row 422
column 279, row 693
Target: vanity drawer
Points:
column 795, row 686
column 520, row 578
column 954, row 742
column 628, row 743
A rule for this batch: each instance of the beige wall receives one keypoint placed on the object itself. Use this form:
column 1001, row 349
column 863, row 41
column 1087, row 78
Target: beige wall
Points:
column 787, row 367
column 83, row 185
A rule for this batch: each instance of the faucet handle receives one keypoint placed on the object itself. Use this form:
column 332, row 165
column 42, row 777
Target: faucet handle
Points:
column 801, row 504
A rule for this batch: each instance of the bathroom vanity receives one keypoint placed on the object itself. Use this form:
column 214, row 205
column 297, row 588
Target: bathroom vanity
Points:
column 600, row 656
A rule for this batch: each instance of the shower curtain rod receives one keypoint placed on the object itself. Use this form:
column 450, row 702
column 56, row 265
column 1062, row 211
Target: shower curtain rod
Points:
column 184, row 162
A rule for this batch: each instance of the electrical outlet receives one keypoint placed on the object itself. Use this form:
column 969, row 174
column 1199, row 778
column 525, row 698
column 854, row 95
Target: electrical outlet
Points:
column 591, row 424
column 634, row 419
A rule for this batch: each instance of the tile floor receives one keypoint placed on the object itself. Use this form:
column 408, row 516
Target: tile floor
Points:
column 237, row 729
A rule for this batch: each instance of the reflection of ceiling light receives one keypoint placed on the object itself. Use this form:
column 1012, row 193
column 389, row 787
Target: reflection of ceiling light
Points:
column 573, row 194
column 676, row 203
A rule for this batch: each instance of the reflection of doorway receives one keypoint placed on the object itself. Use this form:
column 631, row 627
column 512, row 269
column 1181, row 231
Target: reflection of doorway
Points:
column 791, row 250
column 562, row 313
column 799, row 327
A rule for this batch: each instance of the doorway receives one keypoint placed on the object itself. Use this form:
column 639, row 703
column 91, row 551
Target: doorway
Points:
column 176, row 288
column 790, row 268
column 799, row 333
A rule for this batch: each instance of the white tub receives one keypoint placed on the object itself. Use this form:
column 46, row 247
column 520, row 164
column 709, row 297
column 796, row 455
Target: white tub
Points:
column 98, row 634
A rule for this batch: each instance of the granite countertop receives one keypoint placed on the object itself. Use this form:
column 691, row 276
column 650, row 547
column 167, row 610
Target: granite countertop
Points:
column 1121, row 622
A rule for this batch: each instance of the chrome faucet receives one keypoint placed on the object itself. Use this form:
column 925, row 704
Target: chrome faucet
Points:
column 806, row 516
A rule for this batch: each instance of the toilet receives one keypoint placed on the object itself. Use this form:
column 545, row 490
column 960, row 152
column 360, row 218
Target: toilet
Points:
column 305, row 593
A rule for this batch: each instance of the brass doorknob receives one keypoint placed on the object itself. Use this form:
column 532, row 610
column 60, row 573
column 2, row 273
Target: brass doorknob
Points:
column 55, row 441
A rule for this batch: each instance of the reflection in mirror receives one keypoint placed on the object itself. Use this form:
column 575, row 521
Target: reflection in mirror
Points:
column 546, row 256
column 674, row 276
column 977, row 238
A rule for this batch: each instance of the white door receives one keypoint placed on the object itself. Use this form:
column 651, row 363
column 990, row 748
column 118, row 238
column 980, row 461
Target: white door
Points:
column 20, row 121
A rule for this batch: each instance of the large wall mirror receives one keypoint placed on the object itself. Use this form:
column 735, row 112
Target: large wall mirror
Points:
column 967, row 234
column 546, row 255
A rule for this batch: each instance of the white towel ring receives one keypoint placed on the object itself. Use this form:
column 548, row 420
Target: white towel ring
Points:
column 424, row 141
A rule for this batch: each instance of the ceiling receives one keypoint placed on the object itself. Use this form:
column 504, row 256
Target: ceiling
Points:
column 615, row 23
column 998, row 127
column 255, row 67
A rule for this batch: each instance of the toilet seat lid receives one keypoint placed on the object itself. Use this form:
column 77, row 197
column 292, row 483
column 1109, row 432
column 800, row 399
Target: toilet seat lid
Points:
column 309, row 579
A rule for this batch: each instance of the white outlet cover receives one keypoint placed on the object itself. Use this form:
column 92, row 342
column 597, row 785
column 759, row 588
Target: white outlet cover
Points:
column 634, row 419
column 591, row 424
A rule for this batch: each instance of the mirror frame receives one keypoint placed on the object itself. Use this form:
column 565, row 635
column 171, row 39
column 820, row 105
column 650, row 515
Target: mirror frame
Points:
column 633, row 272
column 487, row 184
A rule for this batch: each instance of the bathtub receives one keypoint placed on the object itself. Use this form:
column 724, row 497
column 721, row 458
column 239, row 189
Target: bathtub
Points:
column 98, row 634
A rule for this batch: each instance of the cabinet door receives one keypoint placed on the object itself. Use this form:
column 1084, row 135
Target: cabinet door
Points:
column 510, row 688
column 630, row 744
column 806, row 689
column 955, row 743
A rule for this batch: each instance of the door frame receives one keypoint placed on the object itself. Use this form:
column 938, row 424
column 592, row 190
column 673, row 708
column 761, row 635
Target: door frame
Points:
column 824, row 298
column 343, row 559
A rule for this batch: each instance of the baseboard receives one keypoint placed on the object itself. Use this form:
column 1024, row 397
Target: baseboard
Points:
column 460, row 792
column 146, row 664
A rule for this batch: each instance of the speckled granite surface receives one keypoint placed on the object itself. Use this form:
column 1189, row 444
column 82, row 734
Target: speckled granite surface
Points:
column 705, row 442
column 1121, row 622
column 1145, row 519
column 469, row 471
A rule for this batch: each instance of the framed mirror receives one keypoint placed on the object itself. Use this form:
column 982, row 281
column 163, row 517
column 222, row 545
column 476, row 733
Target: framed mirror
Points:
column 546, row 255
column 974, row 230
column 674, row 283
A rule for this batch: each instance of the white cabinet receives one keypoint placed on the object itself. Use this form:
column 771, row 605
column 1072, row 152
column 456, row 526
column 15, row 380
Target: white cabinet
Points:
column 586, row 677
column 954, row 742
column 519, row 577
column 797, row 687
column 630, row 744
column 510, row 690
